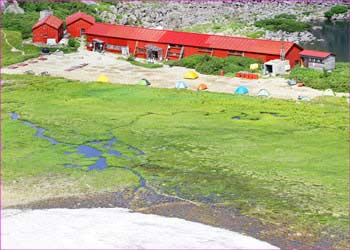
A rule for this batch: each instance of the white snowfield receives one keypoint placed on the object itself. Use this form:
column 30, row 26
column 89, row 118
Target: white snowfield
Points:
column 113, row 228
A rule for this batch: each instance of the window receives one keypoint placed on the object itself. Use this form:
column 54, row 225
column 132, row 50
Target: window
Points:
column 45, row 36
column 140, row 51
column 205, row 50
column 113, row 47
column 235, row 53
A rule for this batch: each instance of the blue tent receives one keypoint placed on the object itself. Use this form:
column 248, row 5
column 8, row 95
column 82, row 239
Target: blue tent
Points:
column 181, row 85
column 241, row 90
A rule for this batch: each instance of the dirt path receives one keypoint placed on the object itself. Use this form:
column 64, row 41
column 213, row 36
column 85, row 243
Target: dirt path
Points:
column 122, row 72
column 13, row 49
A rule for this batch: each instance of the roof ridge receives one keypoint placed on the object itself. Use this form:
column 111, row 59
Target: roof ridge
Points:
column 202, row 34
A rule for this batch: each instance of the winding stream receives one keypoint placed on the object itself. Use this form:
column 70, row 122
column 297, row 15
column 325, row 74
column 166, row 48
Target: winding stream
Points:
column 88, row 151
column 91, row 152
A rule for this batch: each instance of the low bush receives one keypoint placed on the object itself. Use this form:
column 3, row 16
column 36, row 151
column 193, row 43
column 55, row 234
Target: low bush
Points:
column 337, row 80
column 147, row 65
column 131, row 59
column 72, row 42
column 284, row 22
column 339, row 9
column 212, row 65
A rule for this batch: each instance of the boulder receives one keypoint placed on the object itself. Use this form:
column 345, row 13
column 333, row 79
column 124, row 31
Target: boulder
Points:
column 14, row 8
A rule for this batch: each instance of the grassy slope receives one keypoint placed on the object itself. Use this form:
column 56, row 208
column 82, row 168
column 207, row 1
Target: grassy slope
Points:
column 30, row 51
column 15, row 40
column 281, row 169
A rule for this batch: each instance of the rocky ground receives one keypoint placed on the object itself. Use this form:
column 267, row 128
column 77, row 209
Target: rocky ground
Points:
column 182, row 14
column 176, row 15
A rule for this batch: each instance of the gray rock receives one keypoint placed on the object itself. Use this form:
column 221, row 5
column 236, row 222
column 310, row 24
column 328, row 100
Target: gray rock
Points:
column 124, row 20
column 14, row 8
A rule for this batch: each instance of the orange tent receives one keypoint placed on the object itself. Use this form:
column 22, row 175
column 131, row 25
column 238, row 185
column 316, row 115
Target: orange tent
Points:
column 202, row 86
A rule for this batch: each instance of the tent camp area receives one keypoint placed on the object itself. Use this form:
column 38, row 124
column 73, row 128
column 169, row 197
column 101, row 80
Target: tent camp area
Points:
column 88, row 66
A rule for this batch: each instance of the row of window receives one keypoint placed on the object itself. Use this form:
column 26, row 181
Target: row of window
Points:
column 231, row 52
column 113, row 47
column 205, row 50
column 315, row 60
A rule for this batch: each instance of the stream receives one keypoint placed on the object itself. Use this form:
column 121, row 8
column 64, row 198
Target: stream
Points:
column 91, row 152
column 88, row 151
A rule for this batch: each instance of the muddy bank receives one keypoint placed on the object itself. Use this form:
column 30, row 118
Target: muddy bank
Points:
column 218, row 215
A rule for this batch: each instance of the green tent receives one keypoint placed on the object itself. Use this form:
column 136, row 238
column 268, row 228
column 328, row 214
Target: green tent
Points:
column 144, row 82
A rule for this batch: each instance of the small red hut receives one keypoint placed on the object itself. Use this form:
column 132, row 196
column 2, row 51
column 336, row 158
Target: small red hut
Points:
column 78, row 23
column 50, row 27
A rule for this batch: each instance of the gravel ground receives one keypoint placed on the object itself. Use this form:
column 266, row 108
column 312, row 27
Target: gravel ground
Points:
column 122, row 72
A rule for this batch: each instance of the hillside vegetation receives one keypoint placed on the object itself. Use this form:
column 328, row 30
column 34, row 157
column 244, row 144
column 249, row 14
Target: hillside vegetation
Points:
column 339, row 9
column 284, row 22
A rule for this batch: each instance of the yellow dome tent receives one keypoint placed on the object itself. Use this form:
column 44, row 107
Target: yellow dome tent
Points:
column 191, row 75
column 103, row 78
column 254, row 66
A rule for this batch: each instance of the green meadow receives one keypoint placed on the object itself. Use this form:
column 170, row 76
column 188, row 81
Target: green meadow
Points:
column 283, row 162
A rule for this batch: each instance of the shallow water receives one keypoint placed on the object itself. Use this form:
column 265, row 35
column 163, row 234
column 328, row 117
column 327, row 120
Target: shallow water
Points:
column 88, row 151
column 84, row 149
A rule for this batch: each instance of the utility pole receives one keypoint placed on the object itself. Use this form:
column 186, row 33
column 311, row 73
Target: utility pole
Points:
column 282, row 47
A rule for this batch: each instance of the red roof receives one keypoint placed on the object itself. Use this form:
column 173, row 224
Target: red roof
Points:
column 127, row 32
column 52, row 21
column 315, row 53
column 79, row 15
column 190, row 39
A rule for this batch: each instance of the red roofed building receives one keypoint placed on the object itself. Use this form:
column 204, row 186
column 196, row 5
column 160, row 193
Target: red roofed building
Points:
column 50, row 27
column 315, row 59
column 78, row 23
column 174, row 45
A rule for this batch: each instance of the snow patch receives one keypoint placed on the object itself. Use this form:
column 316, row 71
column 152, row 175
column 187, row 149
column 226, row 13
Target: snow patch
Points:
column 102, row 228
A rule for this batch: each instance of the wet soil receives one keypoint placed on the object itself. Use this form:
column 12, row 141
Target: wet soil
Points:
column 145, row 200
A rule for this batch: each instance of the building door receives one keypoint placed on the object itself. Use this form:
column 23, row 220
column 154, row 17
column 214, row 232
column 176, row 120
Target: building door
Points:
column 82, row 32
column 125, row 51
column 98, row 45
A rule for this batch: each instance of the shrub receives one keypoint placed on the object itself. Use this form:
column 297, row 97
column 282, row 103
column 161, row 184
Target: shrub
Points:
column 336, row 80
column 212, row 65
column 328, row 14
column 283, row 22
column 146, row 65
column 131, row 59
column 339, row 9
column 72, row 42
column 20, row 22
column 286, row 16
